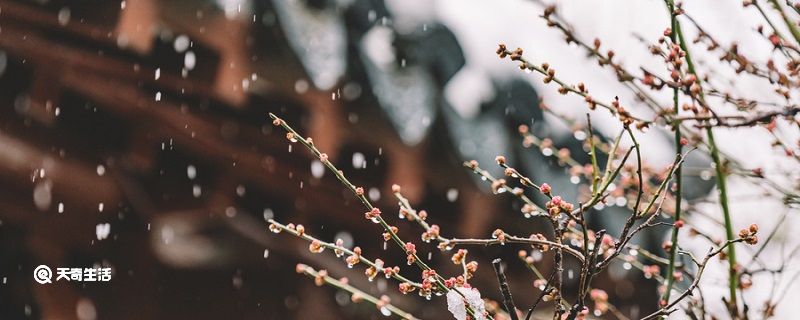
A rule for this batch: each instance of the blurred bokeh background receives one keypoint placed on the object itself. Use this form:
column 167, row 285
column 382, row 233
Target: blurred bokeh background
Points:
column 134, row 135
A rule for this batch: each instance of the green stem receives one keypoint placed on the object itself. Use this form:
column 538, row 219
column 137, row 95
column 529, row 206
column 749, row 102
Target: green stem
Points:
column 595, row 169
column 674, row 239
column 723, row 199
column 789, row 24
column 721, row 186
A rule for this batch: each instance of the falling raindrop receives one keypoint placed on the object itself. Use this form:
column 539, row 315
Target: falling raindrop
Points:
column 122, row 40
column 191, row 172
column 452, row 195
column 158, row 73
column 230, row 212
column 342, row 298
column 64, row 16
column 167, row 234
column 347, row 238
column 158, row 96
column 537, row 255
column 268, row 214
column 374, row 194
column 102, row 231
column 60, row 207
column 351, row 91
column 359, row 161
column 100, row 206
column 266, row 253
column 22, row 103
column 317, row 169
column 189, row 60
column 237, row 281
column 301, row 86
column 181, row 43
column 197, row 191
column 240, row 190
column 42, row 195
column 627, row 266
column 426, row 121
column 101, row 170
column 85, row 309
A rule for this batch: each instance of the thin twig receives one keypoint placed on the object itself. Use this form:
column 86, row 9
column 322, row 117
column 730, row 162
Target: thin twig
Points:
column 508, row 301
column 357, row 295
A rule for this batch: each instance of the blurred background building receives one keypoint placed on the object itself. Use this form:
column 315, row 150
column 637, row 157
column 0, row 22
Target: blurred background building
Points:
column 134, row 135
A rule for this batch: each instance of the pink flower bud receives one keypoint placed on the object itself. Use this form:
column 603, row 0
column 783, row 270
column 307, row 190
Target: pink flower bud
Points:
column 545, row 188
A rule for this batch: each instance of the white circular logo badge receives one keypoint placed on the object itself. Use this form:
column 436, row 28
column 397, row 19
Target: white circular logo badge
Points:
column 42, row 274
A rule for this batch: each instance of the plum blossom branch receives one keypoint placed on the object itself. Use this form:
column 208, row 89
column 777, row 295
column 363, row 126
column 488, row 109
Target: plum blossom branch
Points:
column 354, row 256
column 501, row 238
column 321, row 278
column 373, row 213
column 669, row 307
